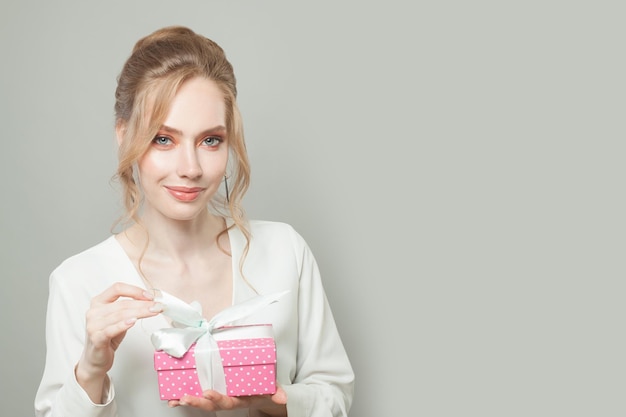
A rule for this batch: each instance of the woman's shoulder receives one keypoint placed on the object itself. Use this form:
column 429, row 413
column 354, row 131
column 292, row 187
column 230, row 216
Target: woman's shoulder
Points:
column 270, row 226
column 269, row 229
column 97, row 257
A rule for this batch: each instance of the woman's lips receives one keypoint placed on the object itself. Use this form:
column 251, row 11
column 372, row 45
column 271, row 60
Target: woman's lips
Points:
column 184, row 193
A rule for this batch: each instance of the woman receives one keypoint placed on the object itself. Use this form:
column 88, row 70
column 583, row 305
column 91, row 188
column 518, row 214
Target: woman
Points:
column 184, row 169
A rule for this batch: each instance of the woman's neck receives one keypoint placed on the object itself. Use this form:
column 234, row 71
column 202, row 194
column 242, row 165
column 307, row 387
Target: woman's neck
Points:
column 176, row 239
column 183, row 258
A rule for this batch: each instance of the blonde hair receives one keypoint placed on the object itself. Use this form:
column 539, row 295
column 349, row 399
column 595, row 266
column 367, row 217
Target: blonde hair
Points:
column 150, row 78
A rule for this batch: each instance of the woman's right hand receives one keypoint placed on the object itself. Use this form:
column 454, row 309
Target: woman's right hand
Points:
column 109, row 317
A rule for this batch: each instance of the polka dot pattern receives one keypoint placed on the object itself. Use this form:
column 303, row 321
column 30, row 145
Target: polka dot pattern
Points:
column 177, row 376
column 249, row 366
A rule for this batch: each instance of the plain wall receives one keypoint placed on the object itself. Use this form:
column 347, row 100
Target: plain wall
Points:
column 456, row 167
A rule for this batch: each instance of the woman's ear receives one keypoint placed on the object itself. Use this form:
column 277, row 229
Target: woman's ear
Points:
column 120, row 130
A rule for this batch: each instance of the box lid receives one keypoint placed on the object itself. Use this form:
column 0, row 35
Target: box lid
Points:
column 164, row 362
column 243, row 352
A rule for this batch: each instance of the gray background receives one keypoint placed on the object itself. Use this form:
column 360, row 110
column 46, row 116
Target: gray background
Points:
column 457, row 168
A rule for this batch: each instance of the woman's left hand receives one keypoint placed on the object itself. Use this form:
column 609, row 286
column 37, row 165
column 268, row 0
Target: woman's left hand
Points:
column 268, row 405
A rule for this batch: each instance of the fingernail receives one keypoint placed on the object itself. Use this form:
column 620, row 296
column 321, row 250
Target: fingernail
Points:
column 156, row 308
column 148, row 295
column 131, row 320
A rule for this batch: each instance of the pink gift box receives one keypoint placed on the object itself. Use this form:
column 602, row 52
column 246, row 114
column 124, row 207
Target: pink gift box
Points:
column 249, row 365
column 177, row 376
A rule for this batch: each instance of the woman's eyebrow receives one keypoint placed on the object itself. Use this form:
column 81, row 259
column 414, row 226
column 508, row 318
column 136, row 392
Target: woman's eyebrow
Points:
column 213, row 130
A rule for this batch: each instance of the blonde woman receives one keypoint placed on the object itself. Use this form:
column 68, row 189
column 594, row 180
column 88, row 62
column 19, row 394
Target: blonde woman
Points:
column 184, row 171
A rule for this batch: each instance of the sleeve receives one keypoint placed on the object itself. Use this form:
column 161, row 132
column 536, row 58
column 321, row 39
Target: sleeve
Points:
column 59, row 394
column 324, row 382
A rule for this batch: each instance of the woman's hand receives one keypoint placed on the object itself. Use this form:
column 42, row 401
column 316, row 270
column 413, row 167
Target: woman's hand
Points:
column 109, row 317
column 266, row 405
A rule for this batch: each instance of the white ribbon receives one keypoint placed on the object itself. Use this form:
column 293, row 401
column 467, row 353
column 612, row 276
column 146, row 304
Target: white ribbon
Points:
column 189, row 326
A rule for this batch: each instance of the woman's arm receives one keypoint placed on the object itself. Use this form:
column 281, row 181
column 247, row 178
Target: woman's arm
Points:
column 75, row 380
column 324, row 381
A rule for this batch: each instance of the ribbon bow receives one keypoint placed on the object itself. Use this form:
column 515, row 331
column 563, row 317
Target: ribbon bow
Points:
column 189, row 326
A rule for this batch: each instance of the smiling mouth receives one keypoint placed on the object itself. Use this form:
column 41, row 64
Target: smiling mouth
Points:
column 185, row 193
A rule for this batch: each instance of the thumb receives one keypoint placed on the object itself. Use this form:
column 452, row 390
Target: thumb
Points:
column 280, row 397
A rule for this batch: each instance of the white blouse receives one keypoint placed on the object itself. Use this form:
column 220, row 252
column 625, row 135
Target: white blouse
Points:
column 312, row 365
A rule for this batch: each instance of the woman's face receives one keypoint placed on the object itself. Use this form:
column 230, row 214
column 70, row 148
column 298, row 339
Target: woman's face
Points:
column 186, row 161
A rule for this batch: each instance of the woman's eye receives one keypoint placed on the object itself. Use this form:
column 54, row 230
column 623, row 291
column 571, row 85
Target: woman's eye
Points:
column 161, row 140
column 212, row 141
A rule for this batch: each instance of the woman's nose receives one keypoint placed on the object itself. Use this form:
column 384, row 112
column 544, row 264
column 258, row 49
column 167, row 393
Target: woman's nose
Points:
column 189, row 164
